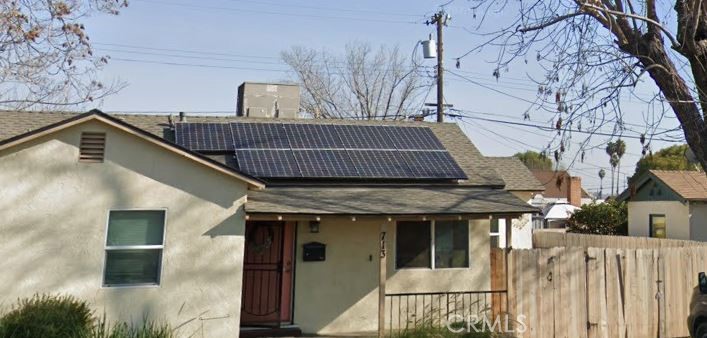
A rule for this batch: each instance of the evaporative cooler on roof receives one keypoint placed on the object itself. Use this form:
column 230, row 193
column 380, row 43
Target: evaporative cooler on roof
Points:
column 282, row 150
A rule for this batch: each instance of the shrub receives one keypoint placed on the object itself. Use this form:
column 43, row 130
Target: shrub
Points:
column 608, row 218
column 122, row 330
column 48, row 317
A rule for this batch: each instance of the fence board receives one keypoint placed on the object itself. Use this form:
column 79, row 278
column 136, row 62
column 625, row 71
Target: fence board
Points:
column 546, row 323
column 546, row 239
column 595, row 292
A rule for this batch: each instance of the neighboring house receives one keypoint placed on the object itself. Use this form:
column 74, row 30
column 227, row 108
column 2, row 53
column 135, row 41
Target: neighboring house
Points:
column 668, row 204
column 563, row 195
column 243, row 222
column 521, row 183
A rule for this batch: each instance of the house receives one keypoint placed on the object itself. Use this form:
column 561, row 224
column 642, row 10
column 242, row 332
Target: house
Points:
column 521, row 183
column 221, row 225
column 563, row 195
column 668, row 204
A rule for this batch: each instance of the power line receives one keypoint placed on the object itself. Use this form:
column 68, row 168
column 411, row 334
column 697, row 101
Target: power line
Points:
column 336, row 9
column 197, row 65
column 545, row 128
column 184, row 51
column 240, row 10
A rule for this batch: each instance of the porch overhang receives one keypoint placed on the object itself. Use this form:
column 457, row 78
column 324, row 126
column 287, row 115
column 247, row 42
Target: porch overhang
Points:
column 396, row 202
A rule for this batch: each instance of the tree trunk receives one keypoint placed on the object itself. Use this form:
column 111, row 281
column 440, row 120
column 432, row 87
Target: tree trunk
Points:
column 650, row 51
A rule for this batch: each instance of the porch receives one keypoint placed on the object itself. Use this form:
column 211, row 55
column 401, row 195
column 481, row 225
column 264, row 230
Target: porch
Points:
column 331, row 263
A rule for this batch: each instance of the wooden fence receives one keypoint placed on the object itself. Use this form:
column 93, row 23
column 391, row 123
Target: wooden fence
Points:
column 599, row 292
column 547, row 239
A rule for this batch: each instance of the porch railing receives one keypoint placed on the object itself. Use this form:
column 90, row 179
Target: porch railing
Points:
column 410, row 310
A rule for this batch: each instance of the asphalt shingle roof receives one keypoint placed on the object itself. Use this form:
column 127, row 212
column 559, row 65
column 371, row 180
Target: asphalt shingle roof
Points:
column 480, row 170
column 480, row 194
column 516, row 175
column 690, row 185
column 384, row 201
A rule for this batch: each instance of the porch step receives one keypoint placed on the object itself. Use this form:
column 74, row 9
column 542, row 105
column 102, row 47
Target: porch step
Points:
column 257, row 332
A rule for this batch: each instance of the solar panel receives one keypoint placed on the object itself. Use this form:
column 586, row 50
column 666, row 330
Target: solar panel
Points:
column 312, row 136
column 204, row 136
column 292, row 150
column 379, row 164
column 325, row 163
column 364, row 137
column 413, row 138
column 268, row 163
column 259, row 136
column 433, row 164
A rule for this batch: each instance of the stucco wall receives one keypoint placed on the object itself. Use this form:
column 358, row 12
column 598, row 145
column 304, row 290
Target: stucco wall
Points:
column 676, row 218
column 698, row 221
column 340, row 295
column 53, row 214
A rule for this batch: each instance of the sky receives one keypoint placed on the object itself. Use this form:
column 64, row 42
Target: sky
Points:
column 191, row 55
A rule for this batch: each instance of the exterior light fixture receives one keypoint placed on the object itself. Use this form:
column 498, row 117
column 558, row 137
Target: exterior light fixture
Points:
column 314, row 227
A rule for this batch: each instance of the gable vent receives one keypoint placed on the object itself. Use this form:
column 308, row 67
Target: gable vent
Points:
column 93, row 147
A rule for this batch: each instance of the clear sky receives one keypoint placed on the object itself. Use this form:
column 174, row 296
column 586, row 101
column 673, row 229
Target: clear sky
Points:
column 191, row 55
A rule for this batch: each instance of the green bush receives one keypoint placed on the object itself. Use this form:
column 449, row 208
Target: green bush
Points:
column 608, row 218
column 48, row 317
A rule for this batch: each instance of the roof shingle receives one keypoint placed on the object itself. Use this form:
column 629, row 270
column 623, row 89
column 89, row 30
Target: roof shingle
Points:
column 690, row 185
column 516, row 175
column 384, row 201
column 479, row 169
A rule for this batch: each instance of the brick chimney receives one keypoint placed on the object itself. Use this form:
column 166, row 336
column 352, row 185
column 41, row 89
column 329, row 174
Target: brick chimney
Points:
column 574, row 191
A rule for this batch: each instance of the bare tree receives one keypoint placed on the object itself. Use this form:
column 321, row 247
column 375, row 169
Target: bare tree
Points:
column 595, row 52
column 362, row 84
column 46, row 59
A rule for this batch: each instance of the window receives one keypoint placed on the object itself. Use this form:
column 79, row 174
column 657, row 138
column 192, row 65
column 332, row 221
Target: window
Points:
column 412, row 245
column 134, row 244
column 495, row 235
column 451, row 244
column 439, row 244
column 657, row 226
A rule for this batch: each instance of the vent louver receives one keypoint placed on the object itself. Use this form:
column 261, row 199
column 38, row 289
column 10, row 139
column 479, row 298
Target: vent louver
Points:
column 93, row 147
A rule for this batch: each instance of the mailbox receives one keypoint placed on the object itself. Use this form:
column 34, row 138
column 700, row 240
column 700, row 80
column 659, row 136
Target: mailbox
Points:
column 313, row 252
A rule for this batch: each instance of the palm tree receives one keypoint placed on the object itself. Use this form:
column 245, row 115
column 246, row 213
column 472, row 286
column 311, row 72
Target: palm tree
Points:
column 602, row 173
column 614, row 161
column 610, row 150
column 620, row 150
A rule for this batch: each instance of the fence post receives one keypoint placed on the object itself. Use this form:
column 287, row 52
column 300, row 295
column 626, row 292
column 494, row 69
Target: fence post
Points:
column 660, row 296
column 382, row 277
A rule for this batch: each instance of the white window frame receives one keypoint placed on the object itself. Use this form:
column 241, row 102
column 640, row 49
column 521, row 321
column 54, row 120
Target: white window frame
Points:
column 432, row 248
column 134, row 247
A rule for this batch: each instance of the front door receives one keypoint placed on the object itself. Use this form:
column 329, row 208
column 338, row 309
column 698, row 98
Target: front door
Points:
column 267, row 273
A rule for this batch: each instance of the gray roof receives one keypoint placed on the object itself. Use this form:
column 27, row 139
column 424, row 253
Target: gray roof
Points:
column 516, row 175
column 479, row 169
column 333, row 200
column 480, row 194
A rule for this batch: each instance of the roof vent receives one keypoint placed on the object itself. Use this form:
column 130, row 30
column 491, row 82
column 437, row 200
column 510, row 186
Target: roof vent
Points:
column 93, row 147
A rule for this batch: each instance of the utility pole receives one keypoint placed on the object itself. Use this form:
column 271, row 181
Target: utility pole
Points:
column 440, row 19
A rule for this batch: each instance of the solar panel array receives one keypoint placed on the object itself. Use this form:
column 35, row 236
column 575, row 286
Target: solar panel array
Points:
column 283, row 150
